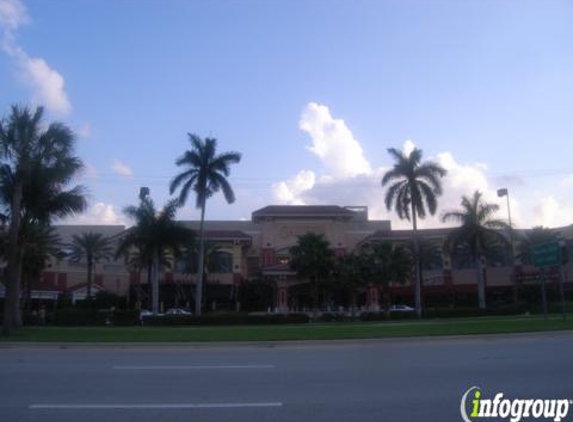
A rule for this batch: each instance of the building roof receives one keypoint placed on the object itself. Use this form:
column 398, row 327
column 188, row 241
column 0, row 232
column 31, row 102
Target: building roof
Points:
column 82, row 286
column 67, row 231
column 226, row 235
column 303, row 211
column 407, row 234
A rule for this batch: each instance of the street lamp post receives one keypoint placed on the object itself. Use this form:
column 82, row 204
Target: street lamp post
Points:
column 501, row 193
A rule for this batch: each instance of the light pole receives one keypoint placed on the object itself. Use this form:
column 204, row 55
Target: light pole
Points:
column 501, row 193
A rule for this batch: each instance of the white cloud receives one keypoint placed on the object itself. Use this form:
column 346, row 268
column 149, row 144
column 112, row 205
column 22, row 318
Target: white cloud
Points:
column 550, row 212
column 45, row 83
column 98, row 213
column 122, row 169
column 333, row 142
column 12, row 15
column 408, row 147
column 568, row 181
column 347, row 178
column 288, row 192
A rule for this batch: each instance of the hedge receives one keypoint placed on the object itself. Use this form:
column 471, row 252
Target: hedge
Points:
column 473, row 312
column 225, row 319
column 383, row 316
column 85, row 317
column 79, row 317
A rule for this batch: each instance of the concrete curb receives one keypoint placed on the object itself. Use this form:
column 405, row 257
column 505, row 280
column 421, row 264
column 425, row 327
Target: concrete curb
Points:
column 284, row 343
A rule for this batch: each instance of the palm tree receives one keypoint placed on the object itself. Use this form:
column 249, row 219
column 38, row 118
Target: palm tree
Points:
column 389, row 264
column 352, row 272
column 205, row 173
column 27, row 150
column 478, row 233
column 413, row 191
column 212, row 261
column 39, row 242
column 154, row 236
column 93, row 247
column 312, row 258
column 535, row 236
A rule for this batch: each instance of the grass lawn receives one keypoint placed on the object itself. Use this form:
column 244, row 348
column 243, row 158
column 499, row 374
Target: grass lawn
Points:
column 332, row 331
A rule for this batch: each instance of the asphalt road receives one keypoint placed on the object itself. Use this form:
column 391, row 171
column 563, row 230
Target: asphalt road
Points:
column 386, row 380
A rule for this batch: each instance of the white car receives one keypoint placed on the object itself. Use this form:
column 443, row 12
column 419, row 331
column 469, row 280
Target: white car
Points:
column 177, row 311
column 401, row 308
column 145, row 313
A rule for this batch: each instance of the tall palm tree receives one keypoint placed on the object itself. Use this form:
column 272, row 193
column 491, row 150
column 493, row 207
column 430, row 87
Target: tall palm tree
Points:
column 29, row 149
column 478, row 232
column 93, row 247
column 312, row 258
column 413, row 191
column 205, row 173
column 155, row 235
column 211, row 258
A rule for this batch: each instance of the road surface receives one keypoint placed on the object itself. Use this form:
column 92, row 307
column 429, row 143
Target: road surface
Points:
column 385, row 380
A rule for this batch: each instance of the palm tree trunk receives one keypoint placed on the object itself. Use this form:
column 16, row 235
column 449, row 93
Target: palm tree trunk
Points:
column 353, row 295
column 149, row 299
column 200, row 264
column 315, row 297
column 89, row 283
column 26, row 285
column 12, row 316
column 27, row 300
column 155, row 284
column 481, row 283
column 418, row 281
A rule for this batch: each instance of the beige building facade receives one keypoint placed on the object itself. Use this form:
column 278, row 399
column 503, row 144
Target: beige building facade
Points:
column 256, row 251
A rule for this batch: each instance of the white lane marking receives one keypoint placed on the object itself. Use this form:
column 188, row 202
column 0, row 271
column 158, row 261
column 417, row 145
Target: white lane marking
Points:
column 191, row 367
column 153, row 406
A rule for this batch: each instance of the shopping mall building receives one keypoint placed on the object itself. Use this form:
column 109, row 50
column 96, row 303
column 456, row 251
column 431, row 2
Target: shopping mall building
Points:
column 256, row 252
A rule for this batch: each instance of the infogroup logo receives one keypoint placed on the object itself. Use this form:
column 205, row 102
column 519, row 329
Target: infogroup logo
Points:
column 513, row 409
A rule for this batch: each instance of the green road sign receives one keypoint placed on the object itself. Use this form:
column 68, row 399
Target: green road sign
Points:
column 546, row 254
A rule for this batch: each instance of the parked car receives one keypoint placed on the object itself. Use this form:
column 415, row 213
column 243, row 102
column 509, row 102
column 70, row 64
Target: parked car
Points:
column 178, row 311
column 144, row 313
column 401, row 308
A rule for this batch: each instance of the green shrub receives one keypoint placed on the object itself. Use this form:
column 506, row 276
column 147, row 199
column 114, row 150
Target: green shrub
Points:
column 125, row 318
column 473, row 311
column 331, row 317
column 293, row 318
column 225, row 319
column 373, row 316
column 79, row 317
column 30, row 318
column 402, row 315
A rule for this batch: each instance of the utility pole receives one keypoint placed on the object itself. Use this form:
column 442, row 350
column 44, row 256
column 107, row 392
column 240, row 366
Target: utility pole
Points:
column 501, row 193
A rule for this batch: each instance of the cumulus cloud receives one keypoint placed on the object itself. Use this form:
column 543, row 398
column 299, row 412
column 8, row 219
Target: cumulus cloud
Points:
column 550, row 212
column 98, row 213
column 333, row 142
column 345, row 177
column 121, row 169
column 45, row 83
column 289, row 191
column 12, row 15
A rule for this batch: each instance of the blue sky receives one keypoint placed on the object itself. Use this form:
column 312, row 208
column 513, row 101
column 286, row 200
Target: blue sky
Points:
column 311, row 92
